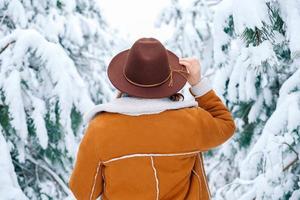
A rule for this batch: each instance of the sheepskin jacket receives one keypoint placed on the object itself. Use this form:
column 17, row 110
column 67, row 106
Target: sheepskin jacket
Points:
column 150, row 149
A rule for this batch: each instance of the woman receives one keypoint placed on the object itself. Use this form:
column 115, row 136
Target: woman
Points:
column 148, row 143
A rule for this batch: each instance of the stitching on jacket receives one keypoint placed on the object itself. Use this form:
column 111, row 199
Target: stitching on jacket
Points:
column 147, row 155
column 204, row 175
column 104, row 185
column 156, row 178
column 199, row 181
column 95, row 180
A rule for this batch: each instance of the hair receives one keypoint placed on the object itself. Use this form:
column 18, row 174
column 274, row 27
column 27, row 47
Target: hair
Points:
column 174, row 97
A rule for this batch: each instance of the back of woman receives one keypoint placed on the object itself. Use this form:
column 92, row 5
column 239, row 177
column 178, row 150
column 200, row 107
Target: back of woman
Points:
column 148, row 143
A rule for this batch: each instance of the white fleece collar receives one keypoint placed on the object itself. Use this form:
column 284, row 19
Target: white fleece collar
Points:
column 137, row 106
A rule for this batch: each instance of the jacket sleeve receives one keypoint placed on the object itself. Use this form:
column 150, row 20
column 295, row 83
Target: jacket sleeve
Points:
column 216, row 124
column 86, row 179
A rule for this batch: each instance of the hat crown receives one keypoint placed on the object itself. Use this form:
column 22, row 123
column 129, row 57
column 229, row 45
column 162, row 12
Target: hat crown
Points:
column 147, row 62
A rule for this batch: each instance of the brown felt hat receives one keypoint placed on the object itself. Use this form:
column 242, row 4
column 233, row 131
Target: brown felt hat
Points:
column 147, row 70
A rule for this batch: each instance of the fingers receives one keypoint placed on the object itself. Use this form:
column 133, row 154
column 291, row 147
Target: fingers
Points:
column 188, row 65
column 188, row 59
column 185, row 63
column 193, row 68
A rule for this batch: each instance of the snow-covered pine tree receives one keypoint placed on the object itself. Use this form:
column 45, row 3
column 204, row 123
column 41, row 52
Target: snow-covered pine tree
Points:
column 9, row 186
column 52, row 70
column 256, row 53
column 192, row 36
column 256, row 72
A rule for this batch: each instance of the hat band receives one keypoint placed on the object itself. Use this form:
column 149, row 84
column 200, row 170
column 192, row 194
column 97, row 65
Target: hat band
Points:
column 170, row 76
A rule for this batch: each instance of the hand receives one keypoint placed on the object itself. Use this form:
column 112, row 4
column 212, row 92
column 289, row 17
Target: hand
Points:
column 194, row 69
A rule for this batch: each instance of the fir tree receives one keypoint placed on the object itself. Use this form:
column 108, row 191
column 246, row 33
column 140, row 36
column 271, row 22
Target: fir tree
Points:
column 52, row 70
column 192, row 36
column 255, row 64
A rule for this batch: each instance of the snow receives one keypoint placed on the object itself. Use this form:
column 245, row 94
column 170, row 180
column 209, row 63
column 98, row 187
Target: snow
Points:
column 38, row 116
column 16, row 12
column 51, row 26
column 249, row 14
column 73, row 31
column 9, row 187
column 247, row 68
column 13, row 97
column 263, row 91
column 54, row 57
column 268, row 149
column 61, row 72
column 262, row 53
column 52, row 70
column 291, row 84
column 255, row 109
column 222, row 11
column 187, row 40
column 291, row 13
column 69, row 5
column 296, row 195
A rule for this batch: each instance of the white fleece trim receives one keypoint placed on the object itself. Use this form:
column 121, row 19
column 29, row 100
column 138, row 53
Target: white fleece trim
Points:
column 149, row 154
column 156, row 178
column 137, row 106
column 204, row 175
column 95, row 180
column 201, row 88
column 199, row 181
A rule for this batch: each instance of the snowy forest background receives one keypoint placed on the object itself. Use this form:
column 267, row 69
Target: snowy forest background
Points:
column 53, row 59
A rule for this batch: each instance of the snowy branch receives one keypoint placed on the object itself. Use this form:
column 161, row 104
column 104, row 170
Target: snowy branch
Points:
column 52, row 174
column 6, row 46
column 294, row 160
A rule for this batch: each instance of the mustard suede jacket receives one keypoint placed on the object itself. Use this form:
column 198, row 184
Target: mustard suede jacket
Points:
column 153, row 156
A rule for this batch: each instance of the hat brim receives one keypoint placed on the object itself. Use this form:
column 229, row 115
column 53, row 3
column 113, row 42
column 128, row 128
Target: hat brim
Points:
column 116, row 77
